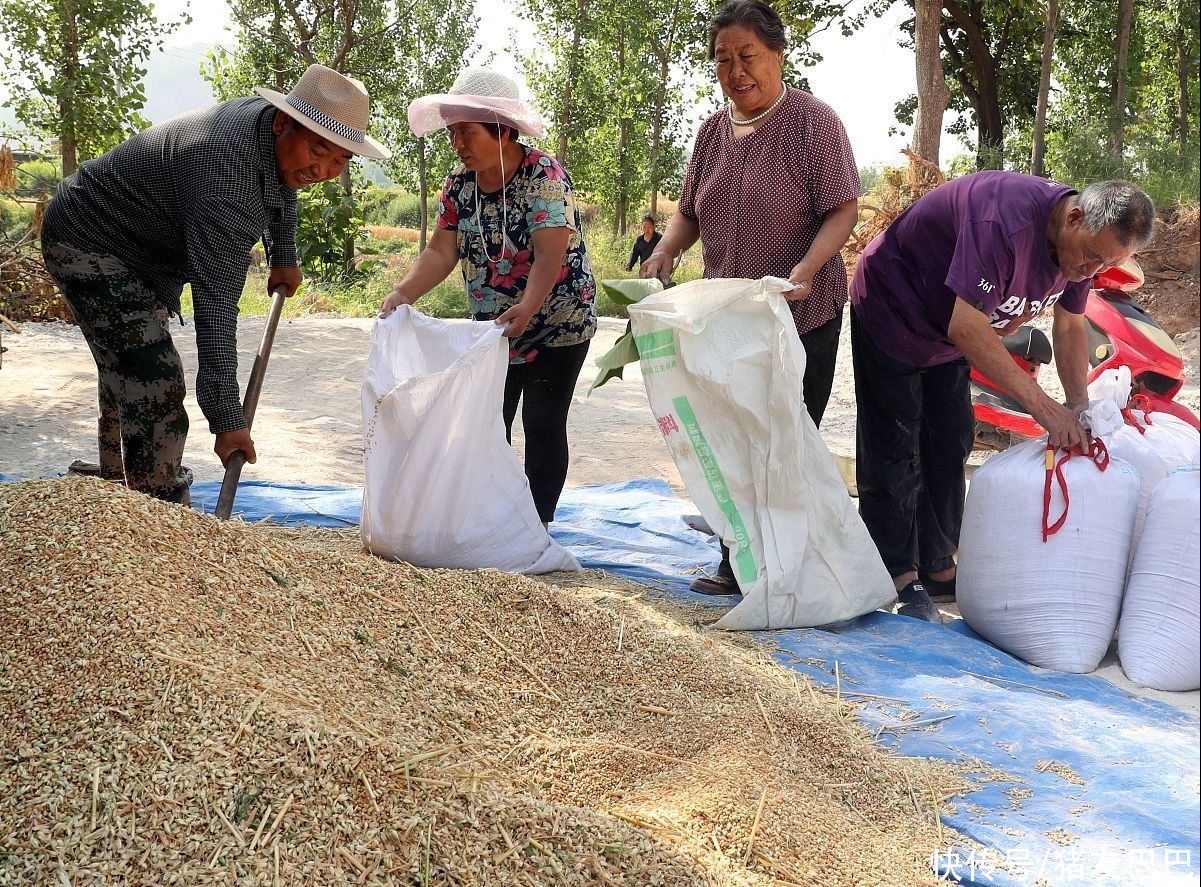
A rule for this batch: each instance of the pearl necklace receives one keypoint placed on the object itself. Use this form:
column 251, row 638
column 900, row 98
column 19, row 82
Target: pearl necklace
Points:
column 757, row 117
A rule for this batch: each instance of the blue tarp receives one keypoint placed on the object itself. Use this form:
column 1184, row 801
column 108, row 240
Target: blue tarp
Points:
column 1080, row 782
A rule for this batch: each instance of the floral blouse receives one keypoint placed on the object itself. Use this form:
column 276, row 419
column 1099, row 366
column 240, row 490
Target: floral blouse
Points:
column 496, row 264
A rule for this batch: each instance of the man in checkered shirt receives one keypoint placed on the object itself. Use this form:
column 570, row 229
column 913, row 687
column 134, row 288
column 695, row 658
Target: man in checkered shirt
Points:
column 185, row 202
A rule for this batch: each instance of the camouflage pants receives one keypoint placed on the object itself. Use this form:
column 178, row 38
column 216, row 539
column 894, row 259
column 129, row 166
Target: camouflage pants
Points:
column 143, row 422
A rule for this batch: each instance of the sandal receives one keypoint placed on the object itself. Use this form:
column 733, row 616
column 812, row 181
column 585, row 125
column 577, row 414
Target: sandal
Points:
column 939, row 589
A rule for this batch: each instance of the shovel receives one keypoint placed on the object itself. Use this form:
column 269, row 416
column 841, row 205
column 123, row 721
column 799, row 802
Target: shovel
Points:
column 233, row 469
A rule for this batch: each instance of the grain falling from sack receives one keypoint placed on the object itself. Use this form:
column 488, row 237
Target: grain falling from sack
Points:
column 186, row 701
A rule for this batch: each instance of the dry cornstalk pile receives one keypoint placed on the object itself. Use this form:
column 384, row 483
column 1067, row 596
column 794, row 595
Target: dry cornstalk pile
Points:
column 184, row 701
column 27, row 291
column 897, row 189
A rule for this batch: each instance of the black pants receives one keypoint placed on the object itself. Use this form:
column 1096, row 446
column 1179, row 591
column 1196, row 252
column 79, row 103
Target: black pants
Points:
column 913, row 435
column 544, row 388
column 821, row 353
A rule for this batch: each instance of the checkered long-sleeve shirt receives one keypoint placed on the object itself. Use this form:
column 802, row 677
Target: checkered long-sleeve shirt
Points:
column 185, row 202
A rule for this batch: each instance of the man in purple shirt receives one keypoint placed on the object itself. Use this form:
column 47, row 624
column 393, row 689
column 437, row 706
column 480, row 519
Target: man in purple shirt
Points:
column 967, row 263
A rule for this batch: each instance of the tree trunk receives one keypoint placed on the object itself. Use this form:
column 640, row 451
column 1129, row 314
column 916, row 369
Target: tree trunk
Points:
column 933, row 95
column 983, row 92
column 68, row 132
column 348, row 244
column 1182, row 62
column 657, row 136
column 1117, row 132
column 1038, row 148
column 423, row 193
column 572, row 72
column 277, row 41
column 665, row 53
column 623, row 143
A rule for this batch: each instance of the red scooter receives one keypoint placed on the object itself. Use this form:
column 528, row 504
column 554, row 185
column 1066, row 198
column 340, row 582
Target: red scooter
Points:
column 1120, row 333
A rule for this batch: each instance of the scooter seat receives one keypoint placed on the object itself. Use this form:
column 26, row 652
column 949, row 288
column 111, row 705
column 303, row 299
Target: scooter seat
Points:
column 1029, row 344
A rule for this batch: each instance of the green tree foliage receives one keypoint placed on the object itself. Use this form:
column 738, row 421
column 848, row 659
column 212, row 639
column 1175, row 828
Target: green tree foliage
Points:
column 593, row 78
column 991, row 59
column 990, row 55
column 430, row 48
column 615, row 81
column 1161, row 109
column 74, row 69
column 327, row 218
column 278, row 39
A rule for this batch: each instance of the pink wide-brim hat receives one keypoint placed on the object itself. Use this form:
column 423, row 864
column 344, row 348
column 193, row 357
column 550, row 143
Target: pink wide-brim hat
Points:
column 479, row 95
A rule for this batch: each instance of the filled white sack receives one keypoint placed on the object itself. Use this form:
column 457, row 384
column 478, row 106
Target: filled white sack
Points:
column 1053, row 603
column 443, row 487
column 1159, row 636
column 1153, row 443
column 723, row 369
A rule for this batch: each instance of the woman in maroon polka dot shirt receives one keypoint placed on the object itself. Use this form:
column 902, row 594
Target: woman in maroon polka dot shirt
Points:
column 772, row 189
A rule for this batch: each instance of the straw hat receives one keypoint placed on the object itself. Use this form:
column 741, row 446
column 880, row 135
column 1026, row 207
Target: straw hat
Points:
column 334, row 106
column 479, row 95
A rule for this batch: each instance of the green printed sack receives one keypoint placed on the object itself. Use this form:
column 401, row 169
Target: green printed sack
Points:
column 723, row 365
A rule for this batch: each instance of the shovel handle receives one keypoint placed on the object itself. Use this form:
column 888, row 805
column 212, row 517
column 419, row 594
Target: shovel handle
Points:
column 254, row 387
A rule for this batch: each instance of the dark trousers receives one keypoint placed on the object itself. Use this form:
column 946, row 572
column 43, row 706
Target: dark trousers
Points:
column 143, row 422
column 913, row 435
column 544, row 388
column 821, row 351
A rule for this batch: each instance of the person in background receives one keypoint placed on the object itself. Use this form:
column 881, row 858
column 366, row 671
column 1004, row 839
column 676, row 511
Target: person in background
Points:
column 965, row 264
column 771, row 189
column 509, row 220
column 185, row 202
column 644, row 245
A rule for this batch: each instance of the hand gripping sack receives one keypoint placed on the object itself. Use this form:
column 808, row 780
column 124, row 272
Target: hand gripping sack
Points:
column 443, row 487
column 1159, row 636
column 1043, row 587
column 723, row 368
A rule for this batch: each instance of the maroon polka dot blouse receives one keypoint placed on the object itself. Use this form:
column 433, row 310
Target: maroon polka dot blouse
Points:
column 759, row 200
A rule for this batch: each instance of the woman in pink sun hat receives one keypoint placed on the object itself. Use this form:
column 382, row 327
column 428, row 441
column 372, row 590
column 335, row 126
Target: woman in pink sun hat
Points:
column 508, row 218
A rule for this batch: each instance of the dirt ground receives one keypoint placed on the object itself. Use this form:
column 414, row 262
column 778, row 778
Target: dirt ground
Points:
column 308, row 425
column 1173, row 302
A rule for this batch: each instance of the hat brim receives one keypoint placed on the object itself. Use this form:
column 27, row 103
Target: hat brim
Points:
column 367, row 148
column 431, row 113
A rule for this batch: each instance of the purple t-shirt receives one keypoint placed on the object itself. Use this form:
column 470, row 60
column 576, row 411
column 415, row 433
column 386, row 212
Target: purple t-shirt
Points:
column 982, row 238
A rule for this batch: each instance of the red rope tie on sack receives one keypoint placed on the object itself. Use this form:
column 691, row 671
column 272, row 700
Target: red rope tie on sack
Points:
column 1097, row 453
column 1138, row 402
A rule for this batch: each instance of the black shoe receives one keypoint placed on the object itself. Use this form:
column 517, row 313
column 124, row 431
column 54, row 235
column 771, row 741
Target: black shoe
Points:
column 715, row 585
column 938, row 589
column 721, row 583
column 915, row 602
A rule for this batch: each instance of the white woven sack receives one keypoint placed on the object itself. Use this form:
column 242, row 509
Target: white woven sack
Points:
column 1154, row 444
column 1166, row 443
column 1054, row 603
column 443, row 487
column 723, row 369
column 1159, row 636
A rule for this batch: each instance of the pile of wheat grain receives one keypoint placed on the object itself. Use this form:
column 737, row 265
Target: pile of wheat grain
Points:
column 185, row 701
